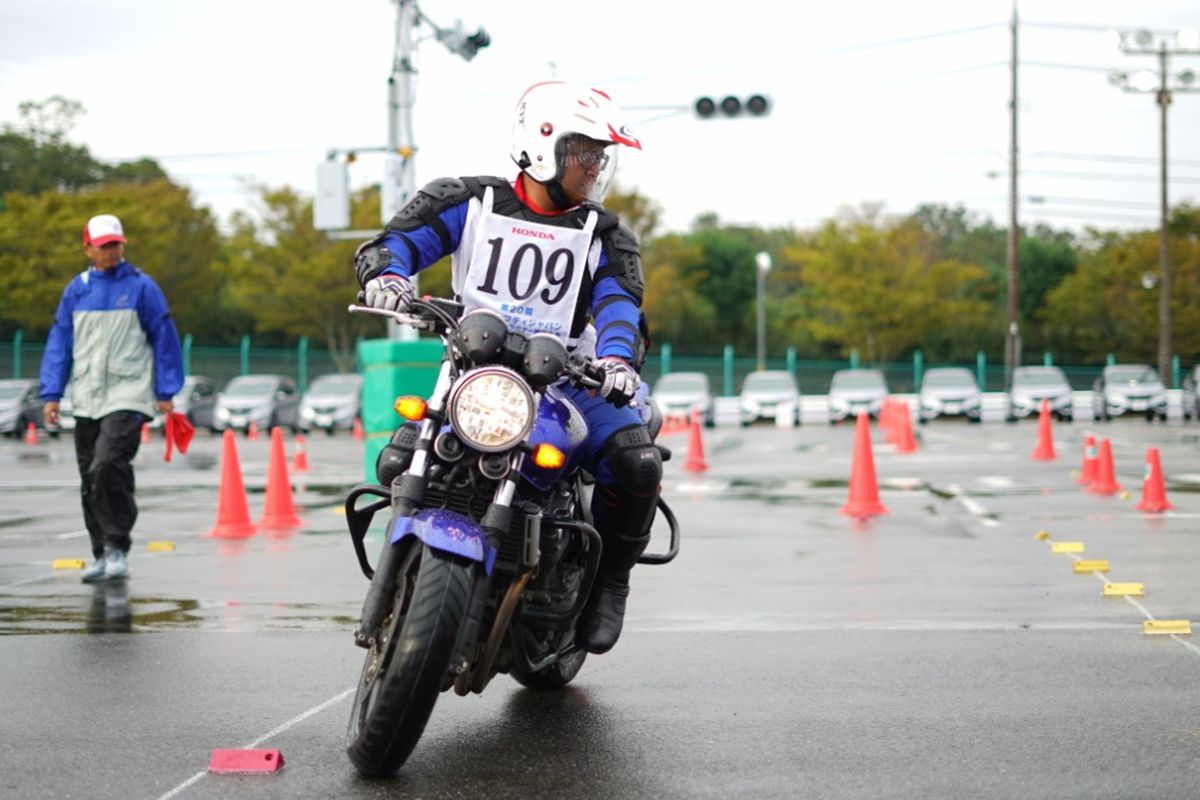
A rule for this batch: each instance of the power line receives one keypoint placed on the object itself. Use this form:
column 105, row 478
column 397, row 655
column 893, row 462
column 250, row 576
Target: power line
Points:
column 1100, row 176
column 1085, row 201
column 909, row 39
column 1181, row 162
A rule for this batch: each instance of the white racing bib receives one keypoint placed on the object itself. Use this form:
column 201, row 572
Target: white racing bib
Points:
column 527, row 272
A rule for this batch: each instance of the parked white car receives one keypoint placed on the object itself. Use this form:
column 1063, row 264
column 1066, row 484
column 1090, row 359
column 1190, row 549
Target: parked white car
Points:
column 949, row 392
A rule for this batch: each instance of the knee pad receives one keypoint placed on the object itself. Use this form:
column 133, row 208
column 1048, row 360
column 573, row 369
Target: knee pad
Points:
column 396, row 455
column 634, row 460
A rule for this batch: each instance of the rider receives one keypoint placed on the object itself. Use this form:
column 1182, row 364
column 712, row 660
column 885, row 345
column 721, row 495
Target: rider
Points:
column 542, row 252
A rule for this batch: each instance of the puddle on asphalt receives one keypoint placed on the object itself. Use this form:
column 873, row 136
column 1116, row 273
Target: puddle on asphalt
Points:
column 112, row 609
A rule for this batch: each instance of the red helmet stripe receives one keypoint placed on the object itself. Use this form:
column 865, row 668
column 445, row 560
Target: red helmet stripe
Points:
column 619, row 138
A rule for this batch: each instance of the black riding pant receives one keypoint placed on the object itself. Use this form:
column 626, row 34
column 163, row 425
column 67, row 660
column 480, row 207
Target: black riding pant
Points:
column 104, row 449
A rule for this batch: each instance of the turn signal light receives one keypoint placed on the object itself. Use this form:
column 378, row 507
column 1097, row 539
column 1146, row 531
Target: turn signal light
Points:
column 411, row 408
column 547, row 456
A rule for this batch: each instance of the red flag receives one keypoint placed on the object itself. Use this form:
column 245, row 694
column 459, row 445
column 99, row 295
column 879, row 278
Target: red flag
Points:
column 179, row 433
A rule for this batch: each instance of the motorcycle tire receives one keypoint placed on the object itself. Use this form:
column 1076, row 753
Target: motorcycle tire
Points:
column 403, row 673
column 555, row 676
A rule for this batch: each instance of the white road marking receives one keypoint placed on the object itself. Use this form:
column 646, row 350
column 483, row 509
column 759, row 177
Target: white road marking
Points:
column 317, row 709
column 1145, row 613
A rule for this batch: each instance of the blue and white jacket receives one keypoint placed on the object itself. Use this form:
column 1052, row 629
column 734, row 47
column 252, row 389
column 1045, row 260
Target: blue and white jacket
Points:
column 114, row 337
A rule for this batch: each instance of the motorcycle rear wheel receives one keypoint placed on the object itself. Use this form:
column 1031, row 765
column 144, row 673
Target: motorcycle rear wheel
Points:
column 403, row 673
column 555, row 676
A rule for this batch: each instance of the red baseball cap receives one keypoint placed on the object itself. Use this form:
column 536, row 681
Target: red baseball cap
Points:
column 102, row 229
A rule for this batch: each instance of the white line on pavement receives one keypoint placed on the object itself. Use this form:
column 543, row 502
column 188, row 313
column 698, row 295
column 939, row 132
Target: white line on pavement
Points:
column 317, row 709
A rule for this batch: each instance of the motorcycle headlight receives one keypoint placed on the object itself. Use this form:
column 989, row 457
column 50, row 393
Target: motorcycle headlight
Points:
column 491, row 409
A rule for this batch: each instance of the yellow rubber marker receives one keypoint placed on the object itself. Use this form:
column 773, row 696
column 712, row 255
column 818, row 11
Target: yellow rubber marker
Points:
column 1124, row 589
column 339, row 510
column 1066, row 547
column 67, row 563
column 1167, row 627
column 1125, row 495
column 1043, row 535
column 160, row 547
column 1100, row 565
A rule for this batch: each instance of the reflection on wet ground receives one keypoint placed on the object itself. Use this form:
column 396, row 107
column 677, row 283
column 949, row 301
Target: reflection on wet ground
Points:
column 111, row 608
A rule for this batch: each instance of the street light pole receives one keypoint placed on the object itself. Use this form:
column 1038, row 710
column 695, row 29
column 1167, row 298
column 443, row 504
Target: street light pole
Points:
column 1164, row 247
column 1012, row 342
column 1142, row 42
column 763, row 263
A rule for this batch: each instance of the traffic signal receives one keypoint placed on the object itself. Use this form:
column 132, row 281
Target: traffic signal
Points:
column 756, row 105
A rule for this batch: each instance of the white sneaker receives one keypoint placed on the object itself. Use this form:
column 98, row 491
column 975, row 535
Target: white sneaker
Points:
column 116, row 566
column 95, row 572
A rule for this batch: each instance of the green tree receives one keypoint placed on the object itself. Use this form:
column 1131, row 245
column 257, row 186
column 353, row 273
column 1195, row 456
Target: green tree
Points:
column 882, row 288
column 41, row 250
column 36, row 157
column 291, row 279
column 1103, row 307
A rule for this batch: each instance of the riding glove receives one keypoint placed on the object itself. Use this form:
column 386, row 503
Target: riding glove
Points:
column 388, row 292
column 620, row 383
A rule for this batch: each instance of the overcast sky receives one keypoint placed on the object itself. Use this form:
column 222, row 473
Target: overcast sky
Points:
column 880, row 102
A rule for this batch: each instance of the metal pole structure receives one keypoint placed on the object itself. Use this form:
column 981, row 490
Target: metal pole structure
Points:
column 1011, row 348
column 1164, row 263
column 400, row 103
column 399, row 178
column 762, row 262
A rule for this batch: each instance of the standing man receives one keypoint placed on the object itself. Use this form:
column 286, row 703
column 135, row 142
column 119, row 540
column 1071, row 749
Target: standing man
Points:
column 114, row 336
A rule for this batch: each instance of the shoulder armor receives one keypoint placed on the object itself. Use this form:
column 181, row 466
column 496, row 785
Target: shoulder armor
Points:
column 430, row 200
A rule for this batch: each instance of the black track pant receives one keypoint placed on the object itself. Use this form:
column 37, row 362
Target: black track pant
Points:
column 105, row 448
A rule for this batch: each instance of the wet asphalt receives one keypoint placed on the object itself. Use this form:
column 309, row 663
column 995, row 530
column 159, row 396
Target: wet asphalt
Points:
column 938, row 650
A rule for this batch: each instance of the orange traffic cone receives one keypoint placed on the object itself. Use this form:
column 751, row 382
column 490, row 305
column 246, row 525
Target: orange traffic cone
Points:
column 1045, row 437
column 357, row 430
column 300, row 460
column 695, row 457
column 145, row 433
column 864, row 492
column 233, row 512
column 1154, row 493
column 279, row 511
column 889, row 421
column 1087, row 473
column 905, row 441
column 1106, row 482
column 31, row 436
column 252, row 431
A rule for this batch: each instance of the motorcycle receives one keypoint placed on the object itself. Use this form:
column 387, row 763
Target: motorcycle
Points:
column 490, row 552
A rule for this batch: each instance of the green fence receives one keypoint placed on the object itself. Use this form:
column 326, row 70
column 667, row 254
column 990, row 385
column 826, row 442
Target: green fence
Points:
column 19, row 359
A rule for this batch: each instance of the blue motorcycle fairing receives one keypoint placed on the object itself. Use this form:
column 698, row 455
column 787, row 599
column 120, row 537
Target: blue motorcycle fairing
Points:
column 559, row 423
column 448, row 531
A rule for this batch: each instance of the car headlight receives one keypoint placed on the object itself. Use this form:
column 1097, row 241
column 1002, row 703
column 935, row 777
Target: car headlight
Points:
column 222, row 413
column 491, row 409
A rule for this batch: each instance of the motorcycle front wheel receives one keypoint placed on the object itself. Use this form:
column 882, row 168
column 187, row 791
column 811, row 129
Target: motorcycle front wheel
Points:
column 403, row 673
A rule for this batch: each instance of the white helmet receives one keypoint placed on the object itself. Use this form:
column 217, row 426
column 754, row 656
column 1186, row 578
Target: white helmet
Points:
column 558, row 125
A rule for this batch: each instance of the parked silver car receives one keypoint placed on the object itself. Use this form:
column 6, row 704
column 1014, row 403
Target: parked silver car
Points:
column 853, row 391
column 765, row 393
column 678, row 394
column 949, row 392
column 266, row 400
column 332, row 402
column 197, row 399
column 1129, row 388
column 1031, row 385
column 19, row 406
column 1191, row 393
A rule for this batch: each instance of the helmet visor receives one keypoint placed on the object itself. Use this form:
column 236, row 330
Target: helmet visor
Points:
column 586, row 166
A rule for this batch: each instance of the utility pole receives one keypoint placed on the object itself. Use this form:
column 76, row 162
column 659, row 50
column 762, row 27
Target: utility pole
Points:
column 399, row 177
column 1163, row 85
column 1012, row 345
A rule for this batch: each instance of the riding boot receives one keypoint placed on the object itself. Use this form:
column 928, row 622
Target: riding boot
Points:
column 604, row 615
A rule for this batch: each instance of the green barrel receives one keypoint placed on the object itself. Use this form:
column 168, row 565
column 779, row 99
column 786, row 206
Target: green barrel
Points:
column 392, row 369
